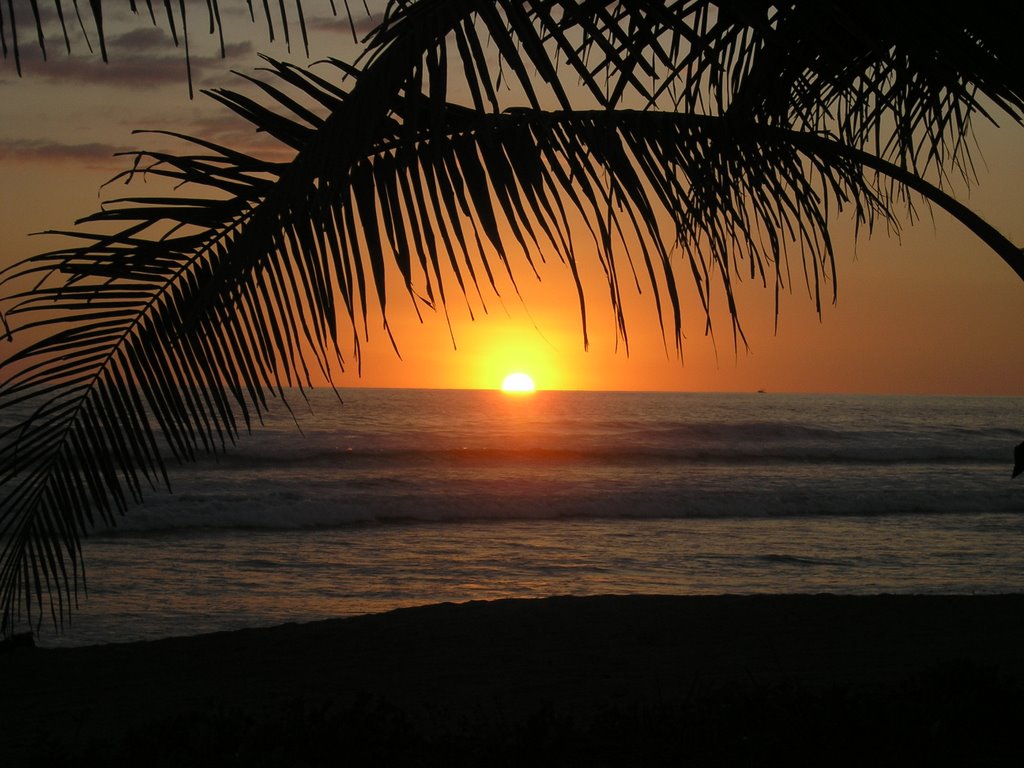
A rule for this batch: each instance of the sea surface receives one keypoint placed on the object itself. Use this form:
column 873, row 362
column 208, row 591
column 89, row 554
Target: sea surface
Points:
column 402, row 497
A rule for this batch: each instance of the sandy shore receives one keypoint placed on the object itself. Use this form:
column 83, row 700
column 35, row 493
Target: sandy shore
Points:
column 587, row 681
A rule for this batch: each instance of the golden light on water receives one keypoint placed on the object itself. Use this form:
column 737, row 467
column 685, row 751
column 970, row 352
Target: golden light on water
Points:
column 518, row 383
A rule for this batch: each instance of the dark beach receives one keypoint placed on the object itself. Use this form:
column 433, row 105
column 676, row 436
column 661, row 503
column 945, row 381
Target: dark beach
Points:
column 569, row 681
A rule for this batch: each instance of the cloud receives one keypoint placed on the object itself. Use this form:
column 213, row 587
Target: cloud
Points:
column 138, row 31
column 144, row 39
column 143, row 55
column 223, row 128
column 139, row 58
column 137, row 69
column 155, row 40
column 228, row 131
column 317, row 13
column 256, row 144
column 51, row 152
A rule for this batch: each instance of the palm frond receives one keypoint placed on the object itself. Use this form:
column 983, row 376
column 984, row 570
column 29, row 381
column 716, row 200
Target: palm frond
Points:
column 277, row 18
column 900, row 80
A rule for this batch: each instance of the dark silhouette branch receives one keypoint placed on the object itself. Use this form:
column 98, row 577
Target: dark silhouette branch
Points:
column 821, row 145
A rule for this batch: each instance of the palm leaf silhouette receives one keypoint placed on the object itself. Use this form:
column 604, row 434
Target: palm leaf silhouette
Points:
column 711, row 140
column 280, row 17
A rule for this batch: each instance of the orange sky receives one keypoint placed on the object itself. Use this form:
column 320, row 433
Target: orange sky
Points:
column 934, row 312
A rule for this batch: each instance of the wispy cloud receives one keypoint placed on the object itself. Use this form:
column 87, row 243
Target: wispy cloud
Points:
column 229, row 130
column 93, row 154
column 135, row 69
column 144, row 39
column 143, row 56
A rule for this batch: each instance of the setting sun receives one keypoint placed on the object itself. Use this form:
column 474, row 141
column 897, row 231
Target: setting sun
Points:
column 519, row 383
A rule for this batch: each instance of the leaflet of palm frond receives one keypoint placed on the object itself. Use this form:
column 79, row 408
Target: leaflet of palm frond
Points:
column 810, row 66
column 901, row 80
column 794, row 56
column 200, row 341
column 611, row 47
column 175, row 19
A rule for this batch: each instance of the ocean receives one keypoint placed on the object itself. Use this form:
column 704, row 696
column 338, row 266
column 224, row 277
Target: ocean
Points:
column 393, row 498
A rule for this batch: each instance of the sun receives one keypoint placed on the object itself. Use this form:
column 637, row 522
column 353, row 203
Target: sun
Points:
column 518, row 383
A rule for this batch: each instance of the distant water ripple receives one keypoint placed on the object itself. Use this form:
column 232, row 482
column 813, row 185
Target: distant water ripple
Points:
column 409, row 497
column 405, row 455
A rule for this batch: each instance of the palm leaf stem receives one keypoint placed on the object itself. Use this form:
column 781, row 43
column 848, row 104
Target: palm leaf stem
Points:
column 821, row 145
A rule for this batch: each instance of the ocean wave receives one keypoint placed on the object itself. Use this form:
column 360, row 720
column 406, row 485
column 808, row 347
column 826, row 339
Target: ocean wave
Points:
column 409, row 457
column 874, row 452
column 803, row 561
column 388, row 503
